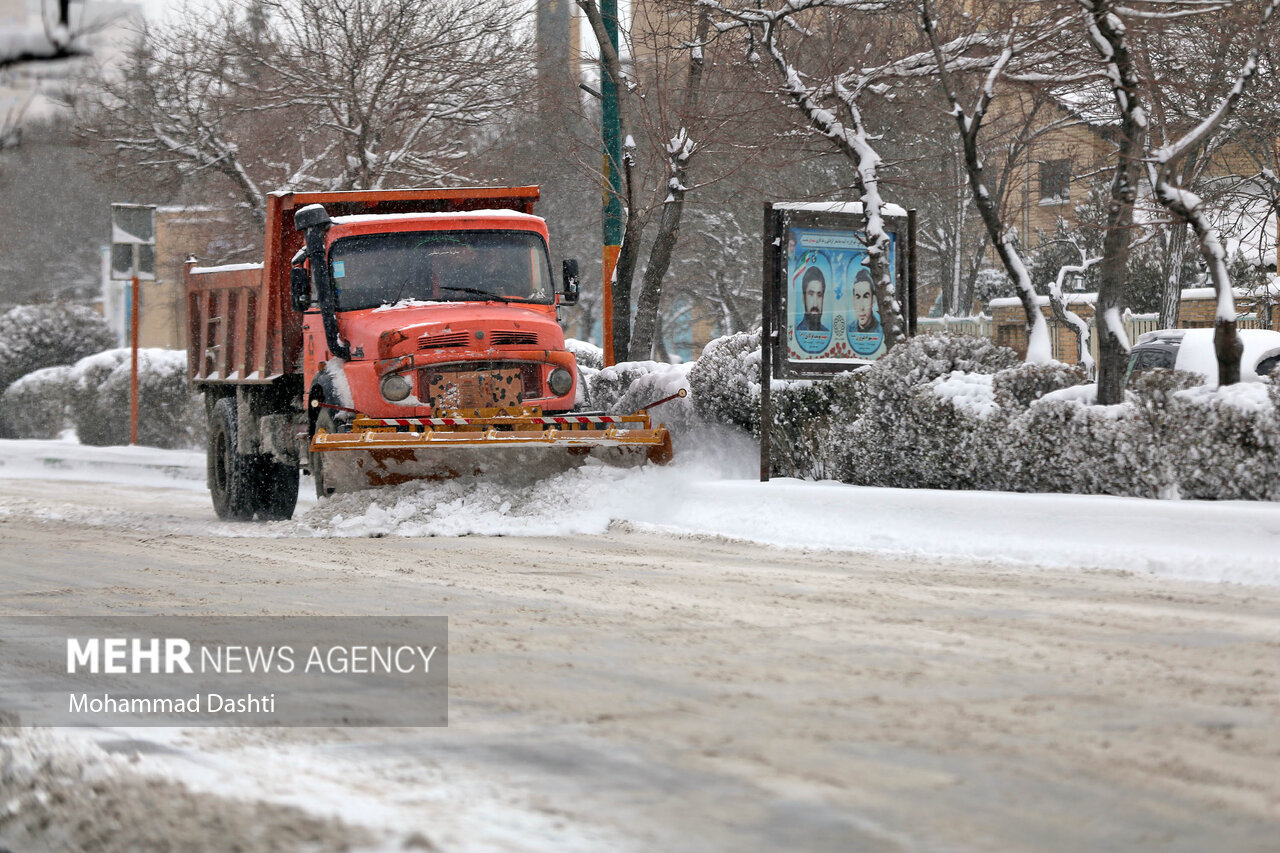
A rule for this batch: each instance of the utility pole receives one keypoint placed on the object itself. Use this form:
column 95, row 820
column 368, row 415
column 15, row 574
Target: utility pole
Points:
column 611, row 133
column 133, row 258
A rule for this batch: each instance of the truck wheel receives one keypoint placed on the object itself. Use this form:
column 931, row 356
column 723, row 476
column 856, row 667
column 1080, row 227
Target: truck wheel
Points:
column 277, row 489
column 243, row 486
column 231, row 475
column 324, row 421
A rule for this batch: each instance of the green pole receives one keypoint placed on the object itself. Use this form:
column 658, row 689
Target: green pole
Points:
column 611, row 133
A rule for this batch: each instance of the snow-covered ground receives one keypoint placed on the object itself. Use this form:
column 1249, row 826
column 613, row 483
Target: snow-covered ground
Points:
column 711, row 490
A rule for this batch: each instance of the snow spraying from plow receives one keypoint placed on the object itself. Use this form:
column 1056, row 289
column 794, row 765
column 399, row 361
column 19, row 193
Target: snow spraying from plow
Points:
column 583, row 500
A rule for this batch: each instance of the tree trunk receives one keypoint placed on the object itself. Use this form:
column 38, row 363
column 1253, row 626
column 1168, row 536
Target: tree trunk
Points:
column 1171, row 290
column 625, row 271
column 650, row 297
column 680, row 150
column 971, row 277
column 1112, row 271
column 1228, row 348
column 660, row 352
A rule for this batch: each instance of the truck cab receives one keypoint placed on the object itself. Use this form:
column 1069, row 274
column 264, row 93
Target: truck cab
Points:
column 388, row 336
column 432, row 312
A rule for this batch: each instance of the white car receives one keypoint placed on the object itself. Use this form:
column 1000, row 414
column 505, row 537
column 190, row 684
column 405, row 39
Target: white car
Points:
column 1192, row 350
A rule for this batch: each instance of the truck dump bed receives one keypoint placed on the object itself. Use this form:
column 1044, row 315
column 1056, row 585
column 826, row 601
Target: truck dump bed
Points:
column 240, row 327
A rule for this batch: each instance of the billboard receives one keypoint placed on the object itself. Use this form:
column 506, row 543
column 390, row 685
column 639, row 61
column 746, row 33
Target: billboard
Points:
column 832, row 309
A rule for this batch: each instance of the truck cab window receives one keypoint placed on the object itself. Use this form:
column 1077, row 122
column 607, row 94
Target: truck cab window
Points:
column 383, row 269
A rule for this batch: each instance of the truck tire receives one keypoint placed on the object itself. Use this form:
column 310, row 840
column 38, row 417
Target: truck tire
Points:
column 245, row 486
column 277, row 491
column 231, row 475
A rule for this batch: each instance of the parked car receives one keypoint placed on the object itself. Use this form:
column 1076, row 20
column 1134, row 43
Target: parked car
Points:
column 1192, row 350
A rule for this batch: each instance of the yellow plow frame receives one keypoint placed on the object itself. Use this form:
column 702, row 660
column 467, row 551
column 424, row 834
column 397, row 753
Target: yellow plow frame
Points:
column 388, row 451
column 499, row 427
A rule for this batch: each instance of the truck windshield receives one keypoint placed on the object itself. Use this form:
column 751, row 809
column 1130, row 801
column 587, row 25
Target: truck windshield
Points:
column 382, row 269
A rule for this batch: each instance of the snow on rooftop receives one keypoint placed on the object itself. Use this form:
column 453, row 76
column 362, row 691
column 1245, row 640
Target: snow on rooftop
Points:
column 1041, row 299
column 1273, row 288
column 854, row 207
column 446, row 215
column 189, row 208
column 226, row 268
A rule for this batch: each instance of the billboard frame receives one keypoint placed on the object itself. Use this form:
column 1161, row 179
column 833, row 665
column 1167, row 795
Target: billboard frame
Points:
column 775, row 361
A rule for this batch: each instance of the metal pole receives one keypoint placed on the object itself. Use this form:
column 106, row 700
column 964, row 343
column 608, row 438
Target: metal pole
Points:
column 611, row 136
column 914, row 317
column 772, row 248
column 135, row 297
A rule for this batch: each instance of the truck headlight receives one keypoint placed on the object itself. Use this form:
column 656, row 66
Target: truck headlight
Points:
column 560, row 381
column 395, row 387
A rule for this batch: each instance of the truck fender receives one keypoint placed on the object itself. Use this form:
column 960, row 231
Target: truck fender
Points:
column 329, row 386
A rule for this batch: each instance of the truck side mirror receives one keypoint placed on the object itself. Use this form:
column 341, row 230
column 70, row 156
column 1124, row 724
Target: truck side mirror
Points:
column 300, row 288
column 569, row 295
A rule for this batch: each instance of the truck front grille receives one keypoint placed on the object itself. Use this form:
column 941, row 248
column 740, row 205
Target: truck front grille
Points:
column 509, row 338
column 451, row 339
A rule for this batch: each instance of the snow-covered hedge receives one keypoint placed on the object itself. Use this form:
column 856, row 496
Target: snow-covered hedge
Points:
column 586, row 353
column 92, row 396
column 630, row 386
column 37, row 405
column 38, row 336
column 918, row 397
column 957, row 412
column 725, row 386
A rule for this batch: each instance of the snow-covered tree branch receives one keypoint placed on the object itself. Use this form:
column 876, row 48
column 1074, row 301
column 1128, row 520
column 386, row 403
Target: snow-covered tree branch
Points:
column 850, row 136
column 314, row 94
column 970, row 124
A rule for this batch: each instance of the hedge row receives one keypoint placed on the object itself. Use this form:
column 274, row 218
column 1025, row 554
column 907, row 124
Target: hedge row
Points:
column 92, row 397
column 957, row 412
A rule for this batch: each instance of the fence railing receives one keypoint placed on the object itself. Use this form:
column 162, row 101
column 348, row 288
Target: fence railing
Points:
column 979, row 326
column 983, row 326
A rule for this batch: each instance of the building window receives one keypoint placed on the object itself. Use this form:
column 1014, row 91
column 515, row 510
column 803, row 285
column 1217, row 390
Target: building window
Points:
column 1055, row 181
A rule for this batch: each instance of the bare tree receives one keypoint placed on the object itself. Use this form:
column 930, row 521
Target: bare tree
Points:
column 684, row 131
column 315, row 94
column 392, row 83
column 1111, row 28
column 833, row 107
column 997, row 51
column 680, row 150
column 175, row 107
column 1166, row 177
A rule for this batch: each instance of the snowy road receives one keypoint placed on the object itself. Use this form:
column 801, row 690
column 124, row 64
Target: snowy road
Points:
column 641, row 690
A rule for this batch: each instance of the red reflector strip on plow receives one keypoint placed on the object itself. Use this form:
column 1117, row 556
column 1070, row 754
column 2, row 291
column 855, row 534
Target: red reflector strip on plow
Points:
column 604, row 419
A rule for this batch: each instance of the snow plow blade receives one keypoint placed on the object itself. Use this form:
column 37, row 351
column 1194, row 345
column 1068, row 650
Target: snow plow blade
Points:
column 389, row 451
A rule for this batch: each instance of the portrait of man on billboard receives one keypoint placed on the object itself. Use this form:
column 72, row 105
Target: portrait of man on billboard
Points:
column 813, row 288
column 866, row 335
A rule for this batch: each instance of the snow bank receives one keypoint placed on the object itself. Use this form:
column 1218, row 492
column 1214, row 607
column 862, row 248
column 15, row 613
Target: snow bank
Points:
column 712, row 490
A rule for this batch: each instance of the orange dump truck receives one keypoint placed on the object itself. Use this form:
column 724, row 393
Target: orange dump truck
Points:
column 391, row 336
